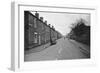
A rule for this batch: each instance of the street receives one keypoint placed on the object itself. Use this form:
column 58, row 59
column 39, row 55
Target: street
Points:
column 64, row 49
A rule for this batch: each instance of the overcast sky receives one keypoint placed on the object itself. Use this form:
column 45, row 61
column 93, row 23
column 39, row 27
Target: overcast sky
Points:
column 62, row 21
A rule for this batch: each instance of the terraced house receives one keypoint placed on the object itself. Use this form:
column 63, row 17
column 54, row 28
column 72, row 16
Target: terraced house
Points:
column 37, row 32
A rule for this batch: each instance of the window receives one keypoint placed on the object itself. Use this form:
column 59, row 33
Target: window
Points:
column 35, row 25
column 42, row 26
column 30, row 25
column 35, row 37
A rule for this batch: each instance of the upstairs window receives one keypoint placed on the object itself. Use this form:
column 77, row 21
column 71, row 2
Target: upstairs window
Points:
column 30, row 25
column 35, row 24
column 42, row 26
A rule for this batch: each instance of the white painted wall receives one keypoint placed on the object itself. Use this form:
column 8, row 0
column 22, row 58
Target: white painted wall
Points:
column 5, row 37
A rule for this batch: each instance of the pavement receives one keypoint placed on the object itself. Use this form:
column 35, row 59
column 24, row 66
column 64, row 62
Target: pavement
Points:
column 64, row 49
column 37, row 49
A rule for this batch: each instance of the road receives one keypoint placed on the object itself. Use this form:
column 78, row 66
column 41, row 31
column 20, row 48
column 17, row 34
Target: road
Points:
column 64, row 49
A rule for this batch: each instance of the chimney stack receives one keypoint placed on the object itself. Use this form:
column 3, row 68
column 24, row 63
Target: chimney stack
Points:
column 45, row 22
column 49, row 25
column 53, row 27
column 41, row 18
column 37, row 14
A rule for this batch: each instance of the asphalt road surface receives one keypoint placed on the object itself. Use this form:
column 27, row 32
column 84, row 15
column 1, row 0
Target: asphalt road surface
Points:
column 64, row 49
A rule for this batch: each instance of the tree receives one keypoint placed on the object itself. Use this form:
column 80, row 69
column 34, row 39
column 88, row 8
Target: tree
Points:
column 80, row 31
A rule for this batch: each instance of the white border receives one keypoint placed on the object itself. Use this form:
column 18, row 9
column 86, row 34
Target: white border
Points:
column 18, row 40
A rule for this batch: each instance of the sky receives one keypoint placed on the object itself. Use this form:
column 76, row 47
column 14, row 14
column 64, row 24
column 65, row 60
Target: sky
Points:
column 62, row 21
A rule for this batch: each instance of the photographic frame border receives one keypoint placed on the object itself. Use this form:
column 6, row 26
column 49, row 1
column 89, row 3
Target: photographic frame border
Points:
column 16, row 53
